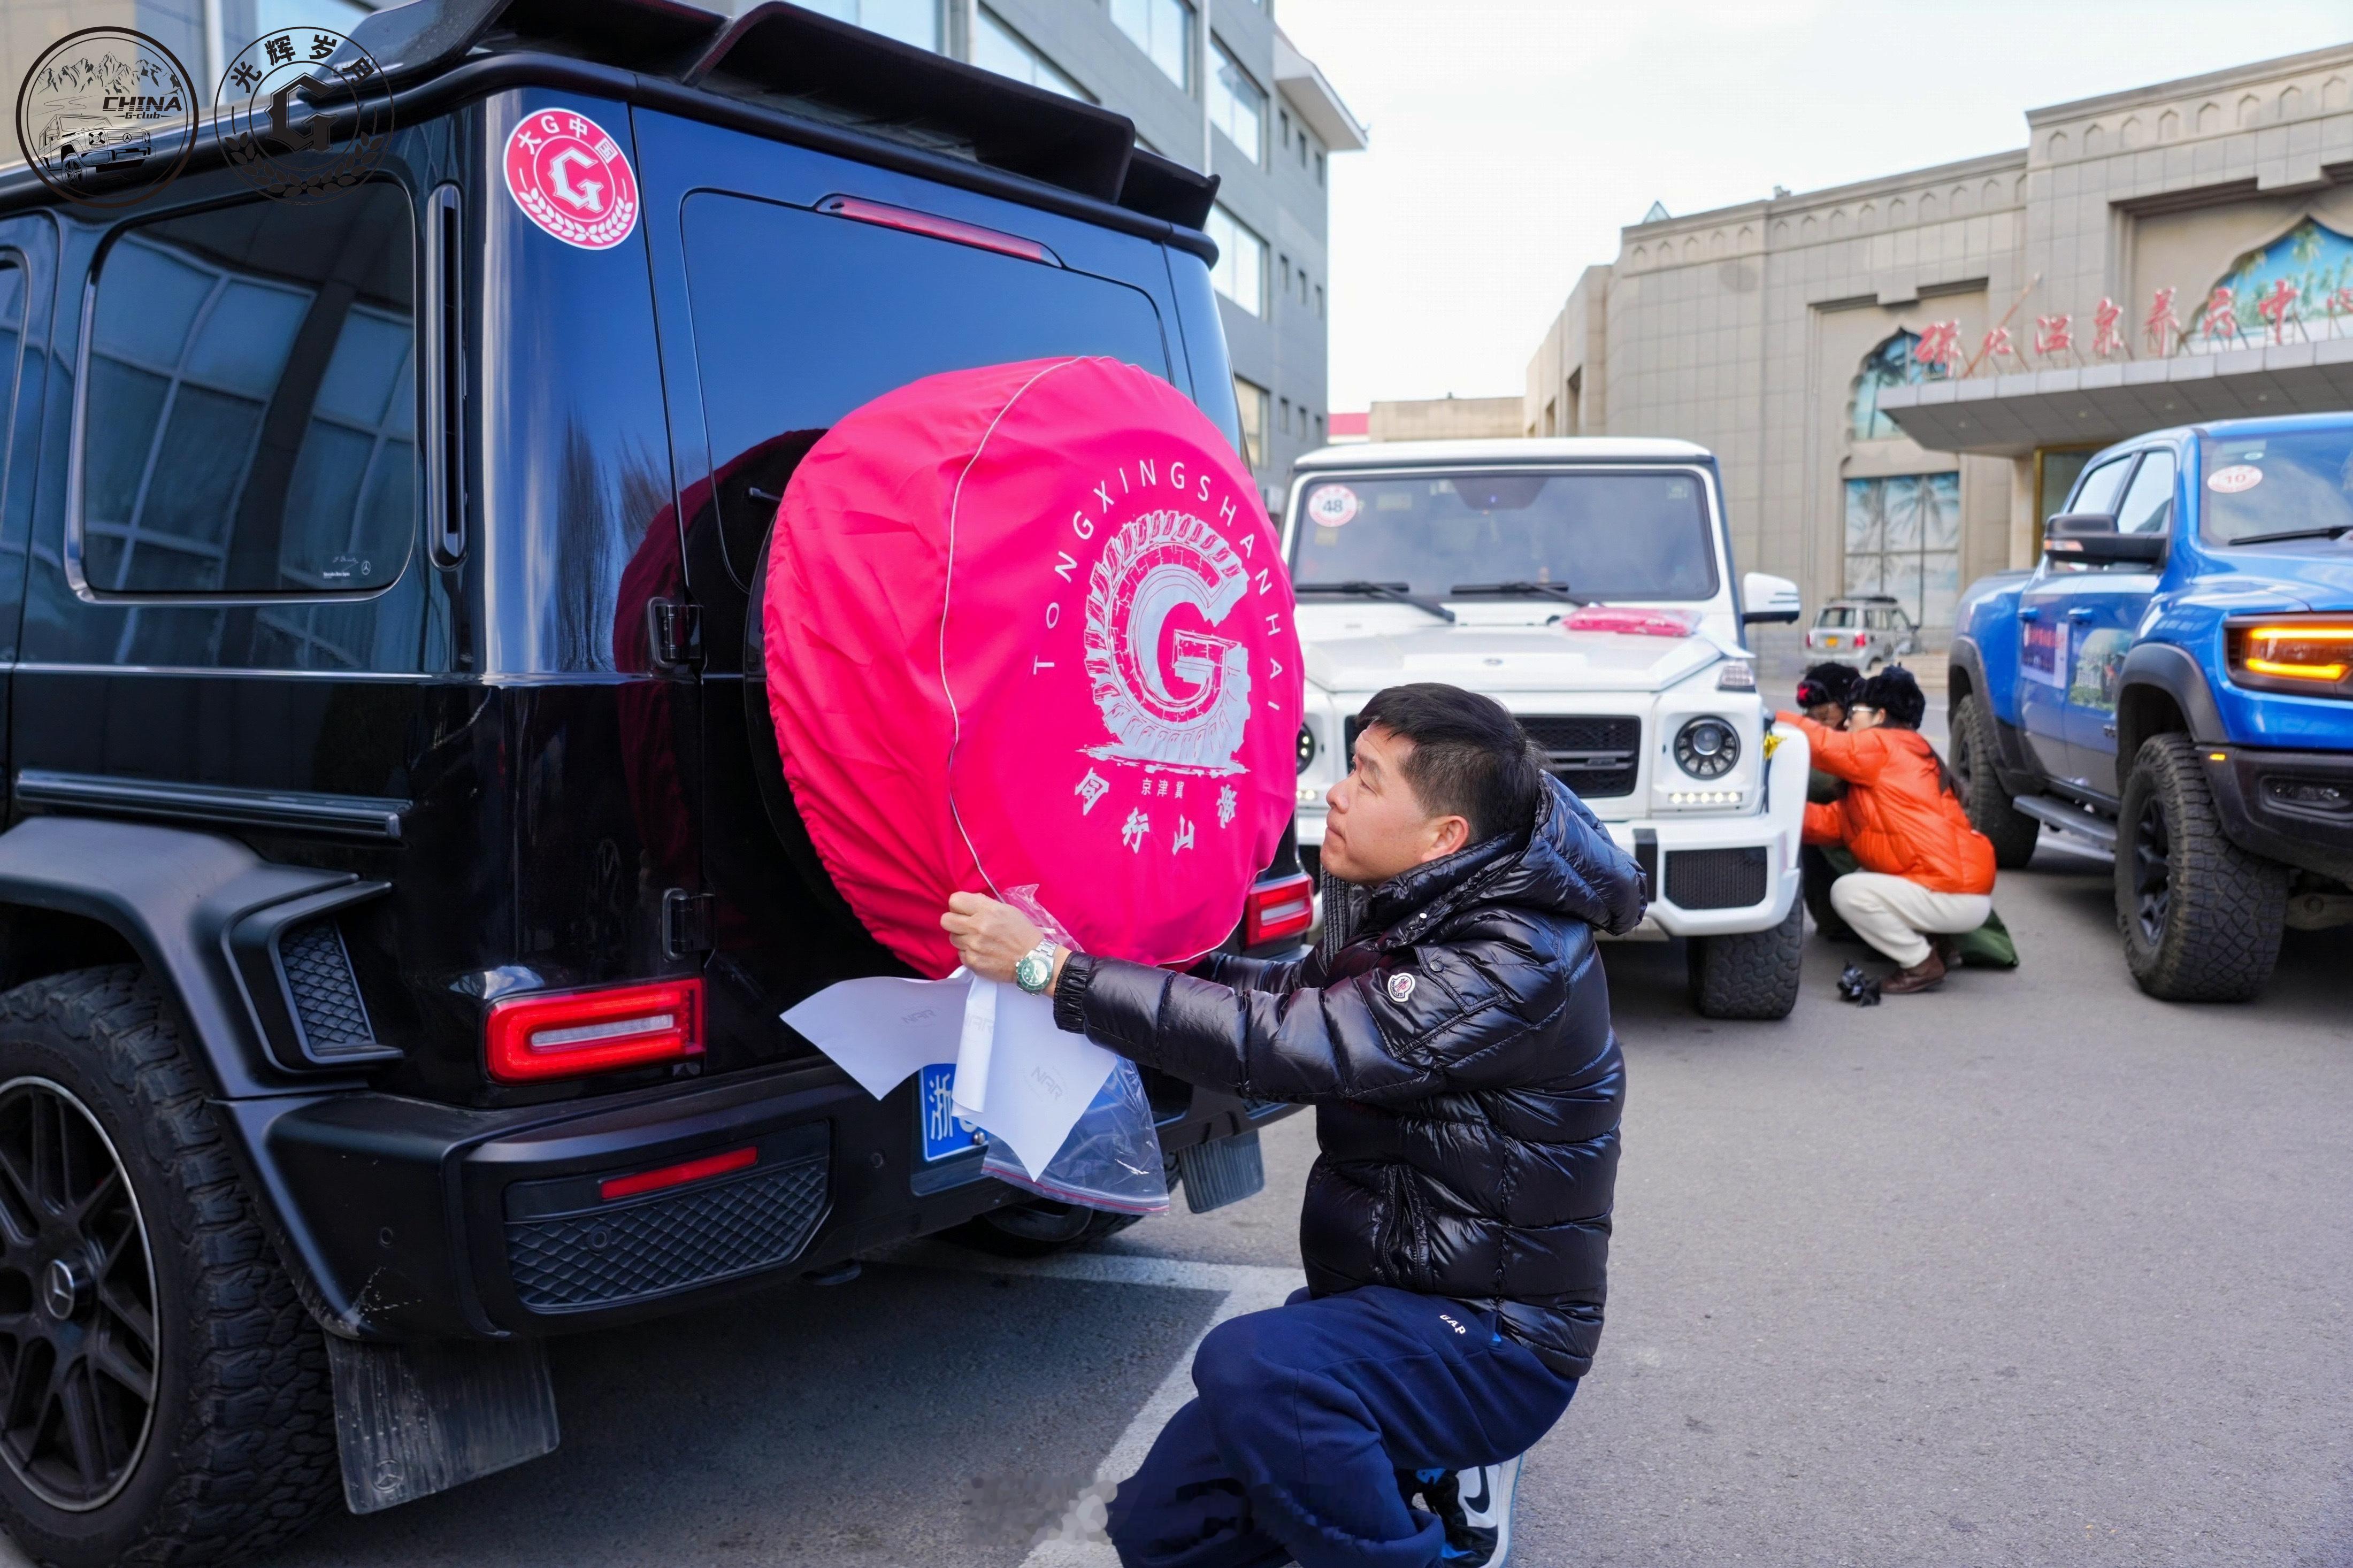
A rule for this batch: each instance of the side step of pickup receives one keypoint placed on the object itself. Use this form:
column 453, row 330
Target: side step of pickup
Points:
column 2068, row 817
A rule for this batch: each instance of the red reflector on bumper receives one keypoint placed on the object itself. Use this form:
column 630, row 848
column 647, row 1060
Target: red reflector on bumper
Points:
column 678, row 1175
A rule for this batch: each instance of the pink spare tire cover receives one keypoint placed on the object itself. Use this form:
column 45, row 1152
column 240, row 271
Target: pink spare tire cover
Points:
column 1028, row 626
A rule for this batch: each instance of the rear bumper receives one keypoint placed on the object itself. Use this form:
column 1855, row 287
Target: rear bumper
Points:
column 414, row 1220
column 2281, row 804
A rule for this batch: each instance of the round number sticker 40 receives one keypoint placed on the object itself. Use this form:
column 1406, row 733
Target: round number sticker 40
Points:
column 572, row 179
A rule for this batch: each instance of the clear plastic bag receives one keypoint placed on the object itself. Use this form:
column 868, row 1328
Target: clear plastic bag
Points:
column 1110, row 1161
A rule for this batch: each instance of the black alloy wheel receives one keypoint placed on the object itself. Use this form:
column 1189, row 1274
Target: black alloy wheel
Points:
column 78, row 1351
column 2152, row 869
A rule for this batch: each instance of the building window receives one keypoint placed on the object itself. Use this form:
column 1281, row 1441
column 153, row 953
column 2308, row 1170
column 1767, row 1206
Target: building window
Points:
column 915, row 22
column 1319, row 301
column 1319, row 168
column 1238, row 108
column 999, row 49
column 1904, row 539
column 1161, row 29
column 1319, row 429
column 1240, row 272
column 1283, row 118
column 1252, row 399
column 1889, row 365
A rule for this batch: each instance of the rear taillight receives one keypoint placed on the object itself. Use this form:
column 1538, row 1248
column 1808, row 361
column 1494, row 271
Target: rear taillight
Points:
column 563, row 1034
column 1278, row 910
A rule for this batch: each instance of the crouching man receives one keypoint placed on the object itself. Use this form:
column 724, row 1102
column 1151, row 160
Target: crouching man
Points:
column 1927, row 876
column 1468, row 1085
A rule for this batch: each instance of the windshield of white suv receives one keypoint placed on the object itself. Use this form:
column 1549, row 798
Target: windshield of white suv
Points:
column 2298, row 485
column 1592, row 535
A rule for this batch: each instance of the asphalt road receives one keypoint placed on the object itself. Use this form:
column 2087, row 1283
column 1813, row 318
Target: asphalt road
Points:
column 2029, row 1270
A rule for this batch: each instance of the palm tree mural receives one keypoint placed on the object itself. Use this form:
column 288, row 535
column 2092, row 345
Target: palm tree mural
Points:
column 2316, row 262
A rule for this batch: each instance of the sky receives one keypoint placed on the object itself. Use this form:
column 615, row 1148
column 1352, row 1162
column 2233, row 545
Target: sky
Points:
column 1511, row 138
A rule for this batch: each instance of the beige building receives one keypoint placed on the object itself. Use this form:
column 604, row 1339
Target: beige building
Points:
column 1800, row 337
column 1448, row 419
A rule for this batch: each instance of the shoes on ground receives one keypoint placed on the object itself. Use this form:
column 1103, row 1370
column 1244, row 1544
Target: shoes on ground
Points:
column 1473, row 1505
column 1925, row 975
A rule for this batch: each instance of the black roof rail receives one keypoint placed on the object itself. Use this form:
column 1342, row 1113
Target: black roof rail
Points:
column 788, row 58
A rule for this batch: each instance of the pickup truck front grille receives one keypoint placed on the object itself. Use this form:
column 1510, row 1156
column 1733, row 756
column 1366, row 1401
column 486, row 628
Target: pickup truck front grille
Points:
column 1595, row 754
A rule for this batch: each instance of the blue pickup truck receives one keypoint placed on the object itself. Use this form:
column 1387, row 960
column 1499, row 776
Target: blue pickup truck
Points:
column 2175, row 680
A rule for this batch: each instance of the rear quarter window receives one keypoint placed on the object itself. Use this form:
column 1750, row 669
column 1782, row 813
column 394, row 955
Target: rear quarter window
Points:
column 800, row 317
column 249, row 422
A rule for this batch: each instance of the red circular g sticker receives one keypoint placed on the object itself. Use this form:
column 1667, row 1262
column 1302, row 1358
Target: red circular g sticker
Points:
column 572, row 179
column 2238, row 477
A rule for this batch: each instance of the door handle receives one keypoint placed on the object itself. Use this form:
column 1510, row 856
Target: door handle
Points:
column 2079, row 613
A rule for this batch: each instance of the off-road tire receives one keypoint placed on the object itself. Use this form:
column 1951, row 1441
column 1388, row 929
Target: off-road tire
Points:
column 2214, row 934
column 1990, row 806
column 1039, row 1228
column 240, row 1455
column 1750, row 975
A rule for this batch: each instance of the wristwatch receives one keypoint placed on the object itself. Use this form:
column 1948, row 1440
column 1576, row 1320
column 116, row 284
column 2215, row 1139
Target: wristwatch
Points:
column 1035, row 970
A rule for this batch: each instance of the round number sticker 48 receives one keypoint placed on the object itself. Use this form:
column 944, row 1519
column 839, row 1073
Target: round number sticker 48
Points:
column 1331, row 506
column 2236, row 478
column 572, row 179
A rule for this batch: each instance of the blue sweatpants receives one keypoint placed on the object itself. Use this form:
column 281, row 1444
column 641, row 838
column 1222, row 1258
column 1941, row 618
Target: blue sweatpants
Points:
column 1306, row 1413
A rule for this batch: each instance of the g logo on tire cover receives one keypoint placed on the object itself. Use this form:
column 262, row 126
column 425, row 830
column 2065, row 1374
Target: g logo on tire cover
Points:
column 1156, row 565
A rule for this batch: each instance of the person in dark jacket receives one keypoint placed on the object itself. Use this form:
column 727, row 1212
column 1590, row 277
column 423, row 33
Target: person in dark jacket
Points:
column 1468, row 1087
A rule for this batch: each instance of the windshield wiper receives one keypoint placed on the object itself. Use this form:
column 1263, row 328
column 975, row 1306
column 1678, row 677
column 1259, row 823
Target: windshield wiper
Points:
column 1393, row 591
column 1552, row 589
column 2331, row 531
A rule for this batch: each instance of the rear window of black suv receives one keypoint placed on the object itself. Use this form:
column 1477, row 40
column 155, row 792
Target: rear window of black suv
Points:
column 800, row 317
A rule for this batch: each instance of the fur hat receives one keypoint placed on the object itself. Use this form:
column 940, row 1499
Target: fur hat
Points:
column 1828, row 682
column 1894, row 693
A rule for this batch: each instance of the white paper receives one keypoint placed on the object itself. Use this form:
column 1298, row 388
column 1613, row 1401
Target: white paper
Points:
column 880, row 1029
column 1018, row 1076
column 1040, row 1078
column 975, row 1043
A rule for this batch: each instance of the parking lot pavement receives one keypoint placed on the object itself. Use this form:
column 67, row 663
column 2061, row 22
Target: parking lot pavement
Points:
column 2029, row 1270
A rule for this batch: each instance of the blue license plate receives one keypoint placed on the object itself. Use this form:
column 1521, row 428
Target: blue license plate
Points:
column 940, row 1132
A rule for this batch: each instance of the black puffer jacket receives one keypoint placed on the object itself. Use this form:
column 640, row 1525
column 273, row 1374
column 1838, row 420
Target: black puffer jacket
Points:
column 1459, row 1051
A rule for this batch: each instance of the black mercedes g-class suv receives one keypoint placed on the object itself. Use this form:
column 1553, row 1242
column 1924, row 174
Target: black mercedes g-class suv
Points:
column 400, row 888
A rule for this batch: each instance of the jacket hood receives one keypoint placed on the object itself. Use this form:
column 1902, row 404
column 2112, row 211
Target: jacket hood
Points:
column 1564, row 865
column 1507, row 658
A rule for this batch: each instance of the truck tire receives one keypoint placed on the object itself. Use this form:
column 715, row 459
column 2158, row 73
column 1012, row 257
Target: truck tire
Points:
column 1037, row 1228
column 1750, row 975
column 2011, row 831
column 2201, row 917
column 164, row 1395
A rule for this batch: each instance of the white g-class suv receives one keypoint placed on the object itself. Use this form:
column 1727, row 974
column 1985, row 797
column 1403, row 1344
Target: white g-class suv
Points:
column 1588, row 585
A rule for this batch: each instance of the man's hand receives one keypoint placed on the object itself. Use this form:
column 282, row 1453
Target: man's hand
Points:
column 991, row 937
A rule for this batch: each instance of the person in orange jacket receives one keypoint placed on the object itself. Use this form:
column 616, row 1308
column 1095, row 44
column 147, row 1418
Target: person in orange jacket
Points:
column 1927, row 874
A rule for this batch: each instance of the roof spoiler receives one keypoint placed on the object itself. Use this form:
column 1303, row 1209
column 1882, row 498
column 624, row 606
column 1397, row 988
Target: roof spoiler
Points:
column 792, row 59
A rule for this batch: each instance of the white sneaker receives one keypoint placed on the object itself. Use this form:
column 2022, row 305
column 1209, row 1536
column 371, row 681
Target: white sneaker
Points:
column 1473, row 1505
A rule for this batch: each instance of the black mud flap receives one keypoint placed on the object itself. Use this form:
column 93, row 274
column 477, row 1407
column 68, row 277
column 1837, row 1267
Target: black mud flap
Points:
column 415, row 1419
column 1222, row 1170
